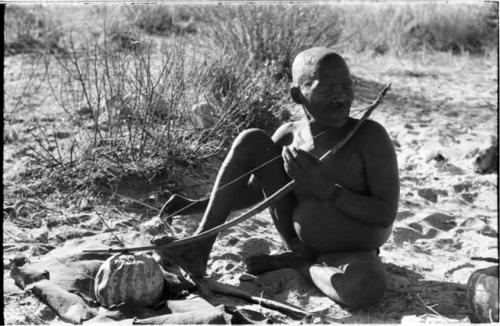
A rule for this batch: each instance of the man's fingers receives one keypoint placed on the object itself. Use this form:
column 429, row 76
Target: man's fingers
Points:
column 286, row 154
column 290, row 163
column 304, row 157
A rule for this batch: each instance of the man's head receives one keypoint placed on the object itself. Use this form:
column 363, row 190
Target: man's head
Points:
column 323, row 85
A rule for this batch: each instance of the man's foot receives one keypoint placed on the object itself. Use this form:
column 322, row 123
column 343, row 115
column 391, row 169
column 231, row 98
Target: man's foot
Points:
column 192, row 257
column 265, row 263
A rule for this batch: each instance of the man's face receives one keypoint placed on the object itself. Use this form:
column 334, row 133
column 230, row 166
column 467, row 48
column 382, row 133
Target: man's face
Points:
column 326, row 97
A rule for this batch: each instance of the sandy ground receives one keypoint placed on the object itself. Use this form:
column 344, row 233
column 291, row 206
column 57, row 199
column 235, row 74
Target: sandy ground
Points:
column 441, row 111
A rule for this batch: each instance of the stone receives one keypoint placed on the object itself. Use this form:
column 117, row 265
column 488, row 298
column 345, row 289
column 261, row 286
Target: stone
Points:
column 487, row 160
column 441, row 221
column 429, row 194
column 254, row 247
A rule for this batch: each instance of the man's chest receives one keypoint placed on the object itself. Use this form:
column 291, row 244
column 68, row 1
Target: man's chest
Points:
column 345, row 167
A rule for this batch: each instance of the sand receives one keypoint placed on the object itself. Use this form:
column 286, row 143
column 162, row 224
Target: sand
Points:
column 441, row 112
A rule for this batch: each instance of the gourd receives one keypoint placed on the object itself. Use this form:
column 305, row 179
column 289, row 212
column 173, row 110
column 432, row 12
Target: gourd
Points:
column 482, row 294
column 128, row 278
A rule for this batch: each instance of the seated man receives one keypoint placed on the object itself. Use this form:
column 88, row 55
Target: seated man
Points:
column 341, row 210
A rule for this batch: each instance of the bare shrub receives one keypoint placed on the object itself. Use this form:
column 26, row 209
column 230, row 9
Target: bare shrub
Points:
column 129, row 108
column 242, row 97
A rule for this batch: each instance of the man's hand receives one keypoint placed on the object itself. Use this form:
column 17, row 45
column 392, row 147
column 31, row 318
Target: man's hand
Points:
column 305, row 169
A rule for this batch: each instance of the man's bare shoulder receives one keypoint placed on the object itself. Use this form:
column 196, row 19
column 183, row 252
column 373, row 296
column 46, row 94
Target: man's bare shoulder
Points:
column 284, row 135
column 374, row 136
column 371, row 128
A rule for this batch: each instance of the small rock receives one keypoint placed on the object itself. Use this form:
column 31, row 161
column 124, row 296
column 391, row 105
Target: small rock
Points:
column 452, row 169
column 255, row 246
column 487, row 161
column 489, row 232
column 19, row 260
column 417, row 227
column 408, row 126
column 401, row 235
column 463, row 186
column 428, row 194
column 441, row 221
column 404, row 214
column 468, row 197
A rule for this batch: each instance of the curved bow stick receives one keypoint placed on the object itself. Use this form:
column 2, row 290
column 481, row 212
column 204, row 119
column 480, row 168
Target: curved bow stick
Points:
column 280, row 193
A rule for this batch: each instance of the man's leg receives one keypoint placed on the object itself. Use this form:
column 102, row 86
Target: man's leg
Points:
column 252, row 148
column 353, row 278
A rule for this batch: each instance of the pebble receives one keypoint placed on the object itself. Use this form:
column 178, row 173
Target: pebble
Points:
column 459, row 187
column 428, row 194
column 441, row 221
column 255, row 246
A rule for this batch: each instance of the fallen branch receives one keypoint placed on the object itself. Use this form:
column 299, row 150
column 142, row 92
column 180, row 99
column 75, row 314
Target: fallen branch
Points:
column 265, row 203
column 223, row 289
column 487, row 259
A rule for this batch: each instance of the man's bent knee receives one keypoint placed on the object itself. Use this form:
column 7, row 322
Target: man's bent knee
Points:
column 252, row 141
column 364, row 287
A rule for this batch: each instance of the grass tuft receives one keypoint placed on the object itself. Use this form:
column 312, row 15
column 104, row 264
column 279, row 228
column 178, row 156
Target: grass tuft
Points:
column 268, row 34
column 405, row 28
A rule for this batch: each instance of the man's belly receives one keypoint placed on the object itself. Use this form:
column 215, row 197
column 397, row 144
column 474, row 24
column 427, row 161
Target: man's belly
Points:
column 323, row 228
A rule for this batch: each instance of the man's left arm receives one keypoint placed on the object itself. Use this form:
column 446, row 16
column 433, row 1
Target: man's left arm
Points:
column 380, row 206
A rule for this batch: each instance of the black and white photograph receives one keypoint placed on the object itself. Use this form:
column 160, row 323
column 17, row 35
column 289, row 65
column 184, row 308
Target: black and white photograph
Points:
column 250, row 162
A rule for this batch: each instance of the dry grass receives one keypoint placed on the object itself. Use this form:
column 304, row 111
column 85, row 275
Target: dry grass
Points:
column 161, row 19
column 405, row 28
column 267, row 34
column 28, row 30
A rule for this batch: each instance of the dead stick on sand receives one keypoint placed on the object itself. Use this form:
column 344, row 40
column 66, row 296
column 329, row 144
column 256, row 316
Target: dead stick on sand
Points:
column 223, row 289
column 265, row 203
column 487, row 259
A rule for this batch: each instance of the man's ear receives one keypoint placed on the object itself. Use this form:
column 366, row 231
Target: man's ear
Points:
column 295, row 92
